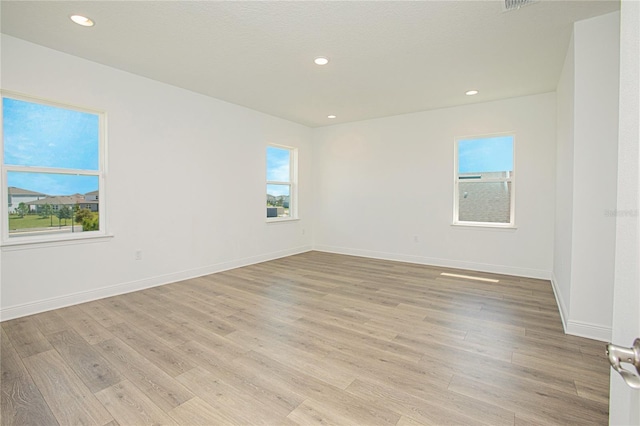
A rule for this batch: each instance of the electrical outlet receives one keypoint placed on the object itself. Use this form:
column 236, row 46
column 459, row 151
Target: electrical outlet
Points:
column 138, row 254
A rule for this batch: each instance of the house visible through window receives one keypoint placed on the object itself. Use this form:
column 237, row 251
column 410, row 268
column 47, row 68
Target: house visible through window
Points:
column 281, row 180
column 52, row 170
column 484, row 181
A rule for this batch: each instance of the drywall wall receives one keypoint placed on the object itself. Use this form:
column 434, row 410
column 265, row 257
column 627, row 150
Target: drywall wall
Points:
column 584, row 255
column 185, row 184
column 384, row 187
column 563, row 228
column 624, row 408
column 597, row 59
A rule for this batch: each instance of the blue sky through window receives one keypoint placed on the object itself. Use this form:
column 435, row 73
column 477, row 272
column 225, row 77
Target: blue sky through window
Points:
column 278, row 170
column 493, row 154
column 46, row 136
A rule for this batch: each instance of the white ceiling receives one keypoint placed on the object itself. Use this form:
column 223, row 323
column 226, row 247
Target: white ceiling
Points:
column 387, row 58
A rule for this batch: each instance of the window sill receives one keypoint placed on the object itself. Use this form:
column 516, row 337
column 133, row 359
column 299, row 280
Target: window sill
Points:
column 26, row 243
column 485, row 226
column 282, row 219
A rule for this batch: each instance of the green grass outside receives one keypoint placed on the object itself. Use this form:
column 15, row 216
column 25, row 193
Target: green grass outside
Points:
column 35, row 221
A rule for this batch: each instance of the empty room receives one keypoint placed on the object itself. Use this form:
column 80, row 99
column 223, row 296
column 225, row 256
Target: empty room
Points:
column 320, row 212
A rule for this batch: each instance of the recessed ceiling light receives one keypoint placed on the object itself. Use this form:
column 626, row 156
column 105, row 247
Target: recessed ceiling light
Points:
column 471, row 92
column 82, row 20
column 331, row 116
column 321, row 60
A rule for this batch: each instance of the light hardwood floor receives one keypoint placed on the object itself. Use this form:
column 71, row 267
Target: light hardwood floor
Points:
column 310, row 339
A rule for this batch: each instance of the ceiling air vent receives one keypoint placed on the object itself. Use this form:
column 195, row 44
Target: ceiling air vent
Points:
column 516, row 4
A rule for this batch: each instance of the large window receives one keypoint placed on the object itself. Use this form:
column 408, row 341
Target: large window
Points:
column 484, row 181
column 281, row 182
column 52, row 171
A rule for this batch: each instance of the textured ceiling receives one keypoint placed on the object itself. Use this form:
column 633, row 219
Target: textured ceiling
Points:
column 387, row 58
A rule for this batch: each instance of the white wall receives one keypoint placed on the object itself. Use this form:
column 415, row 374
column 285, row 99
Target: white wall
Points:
column 563, row 228
column 380, row 188
column 165, row 145
column 597, row 59
column 624, row 408
column 586, row 182
column 381, row 183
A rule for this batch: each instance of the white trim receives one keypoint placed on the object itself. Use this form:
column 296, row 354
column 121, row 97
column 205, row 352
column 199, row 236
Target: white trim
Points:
column 25, row 243
column 51, row 170
column 30, row 98
column 445, row 263
column 281, row 219
column 7, row 239
column 509, row 179
column 43, row 305
column 292, row 183
column 4, row 187
column 588, row 330
column 484, row 225
column 562, row 306
column 578, row 328
column 571, row 327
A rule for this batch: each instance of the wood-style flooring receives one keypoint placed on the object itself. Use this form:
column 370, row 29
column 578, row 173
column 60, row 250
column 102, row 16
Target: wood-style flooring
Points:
column 315, row 338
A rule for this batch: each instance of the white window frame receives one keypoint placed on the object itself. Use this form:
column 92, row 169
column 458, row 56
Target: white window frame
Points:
column 293, row 182
column 509, row 179
column 66, row 238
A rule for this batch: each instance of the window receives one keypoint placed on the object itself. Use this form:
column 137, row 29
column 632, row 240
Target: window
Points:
column 281, row 183
column 484, row 181
column 52, row 171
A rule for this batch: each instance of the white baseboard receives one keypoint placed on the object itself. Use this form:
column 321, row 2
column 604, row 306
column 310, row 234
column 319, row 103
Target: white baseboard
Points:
column 39, row 306
column 578, row 328
column 590, row 331
column 445, row 263
column 572, row 327
column 562, row 306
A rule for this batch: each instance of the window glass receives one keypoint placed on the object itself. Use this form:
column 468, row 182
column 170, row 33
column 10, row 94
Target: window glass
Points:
column 47, row 136
column 485, row 202
column 278, row 164
column 280, row 182
column 494, row 154
column 53, row 170
column 484, row 181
